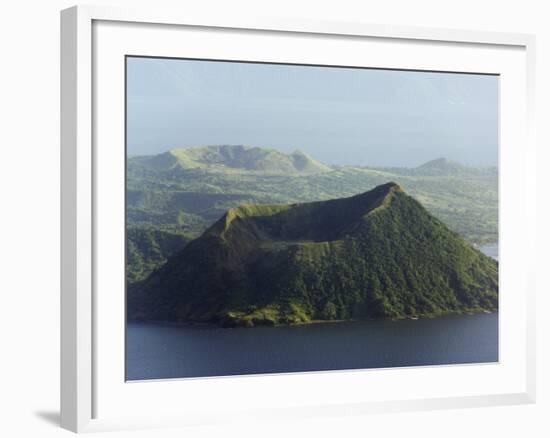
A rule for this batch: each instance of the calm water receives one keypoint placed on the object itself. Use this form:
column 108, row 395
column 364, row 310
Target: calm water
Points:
column 490, row 250
column 170, row 351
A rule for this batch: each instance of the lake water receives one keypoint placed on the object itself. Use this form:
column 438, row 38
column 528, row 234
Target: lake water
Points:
column 156, row 351
column 491, row 250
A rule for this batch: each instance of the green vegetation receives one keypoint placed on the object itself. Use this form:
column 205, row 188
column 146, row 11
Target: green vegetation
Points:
column 184, row 191
column 177, row 195
column 377, row 254
column 148, row 248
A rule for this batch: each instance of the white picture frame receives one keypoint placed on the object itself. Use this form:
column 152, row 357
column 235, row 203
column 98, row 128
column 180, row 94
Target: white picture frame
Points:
column 92, row 392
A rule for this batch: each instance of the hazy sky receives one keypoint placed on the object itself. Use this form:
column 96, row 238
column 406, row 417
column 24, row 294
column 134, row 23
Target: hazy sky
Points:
column 337, row 115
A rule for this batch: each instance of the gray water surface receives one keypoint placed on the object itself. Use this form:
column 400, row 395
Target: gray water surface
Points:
column 164, row 351
column 490, row 249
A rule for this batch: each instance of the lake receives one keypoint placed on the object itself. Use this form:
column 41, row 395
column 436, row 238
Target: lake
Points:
column 158, row 351
column 491, row 250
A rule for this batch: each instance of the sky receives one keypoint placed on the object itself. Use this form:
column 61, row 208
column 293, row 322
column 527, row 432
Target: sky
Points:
column 342, row 116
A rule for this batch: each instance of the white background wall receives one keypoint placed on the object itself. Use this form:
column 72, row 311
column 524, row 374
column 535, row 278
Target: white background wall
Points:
column 29, row 218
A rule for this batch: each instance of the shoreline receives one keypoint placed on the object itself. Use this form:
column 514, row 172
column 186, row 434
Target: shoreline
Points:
column 199, row 324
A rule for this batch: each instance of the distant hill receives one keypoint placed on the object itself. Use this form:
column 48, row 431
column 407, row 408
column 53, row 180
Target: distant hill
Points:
column 374, row 255
column 234, row 158
column 443, row 166
column 440, row 165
